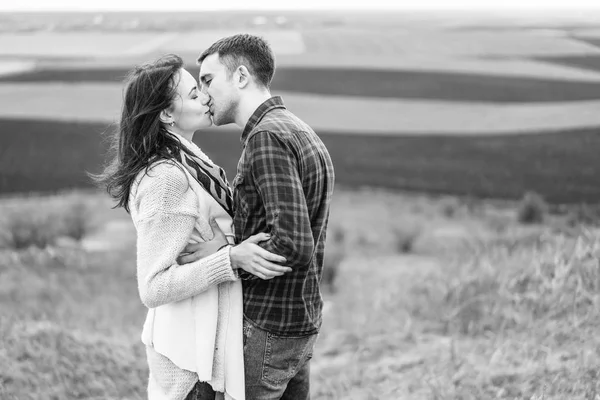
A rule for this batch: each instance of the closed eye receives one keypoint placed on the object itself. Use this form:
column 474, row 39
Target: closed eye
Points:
column 205, row 80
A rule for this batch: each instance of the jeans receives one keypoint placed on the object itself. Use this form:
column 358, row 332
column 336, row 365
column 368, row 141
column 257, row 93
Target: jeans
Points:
column 203, row 391
column 277, row 367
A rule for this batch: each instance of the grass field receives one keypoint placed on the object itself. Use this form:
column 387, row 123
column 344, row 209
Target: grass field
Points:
column 433, row 299
column 587, row 62
column 594, row 41
column 561, row 166
column 404, row 84
column 46, row 156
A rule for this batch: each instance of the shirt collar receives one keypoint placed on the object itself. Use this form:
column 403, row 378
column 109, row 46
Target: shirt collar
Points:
column 262, row 110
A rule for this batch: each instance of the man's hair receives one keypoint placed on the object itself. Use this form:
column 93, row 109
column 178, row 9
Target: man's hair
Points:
column 244, row 49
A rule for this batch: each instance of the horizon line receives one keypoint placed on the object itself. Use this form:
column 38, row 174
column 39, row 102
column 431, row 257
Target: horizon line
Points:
column 561, row 8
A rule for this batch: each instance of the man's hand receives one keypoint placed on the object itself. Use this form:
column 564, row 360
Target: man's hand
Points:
column 247, row 255
column 254, row 259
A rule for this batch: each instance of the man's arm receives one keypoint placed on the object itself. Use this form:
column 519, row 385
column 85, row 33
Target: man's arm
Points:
column 274, row 169
column 248, row 259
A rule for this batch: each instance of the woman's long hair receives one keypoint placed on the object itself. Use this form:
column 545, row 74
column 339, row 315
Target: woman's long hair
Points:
column 141, row 138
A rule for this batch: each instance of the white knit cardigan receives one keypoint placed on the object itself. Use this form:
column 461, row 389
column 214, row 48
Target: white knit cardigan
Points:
column 193, row 308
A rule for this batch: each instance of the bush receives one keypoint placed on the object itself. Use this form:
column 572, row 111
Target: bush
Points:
column 29, row 226
column 532, row 209
column 405, row 237
column 450, row 207
column 333, row 259
column 75, row 220
column 40, row 222
column 334, row 255
column 473, row 205
column 584, row 214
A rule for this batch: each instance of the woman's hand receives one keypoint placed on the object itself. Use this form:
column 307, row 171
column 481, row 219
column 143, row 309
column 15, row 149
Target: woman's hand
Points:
column 196, row 251
column 252, row 258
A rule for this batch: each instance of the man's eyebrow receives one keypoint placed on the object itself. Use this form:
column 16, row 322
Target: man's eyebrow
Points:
column 194, row 88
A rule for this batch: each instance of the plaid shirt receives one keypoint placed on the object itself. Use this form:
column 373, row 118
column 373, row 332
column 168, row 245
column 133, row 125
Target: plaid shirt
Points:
column 283, row 186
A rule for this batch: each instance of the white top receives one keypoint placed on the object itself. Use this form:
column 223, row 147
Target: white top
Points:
column 193, row 330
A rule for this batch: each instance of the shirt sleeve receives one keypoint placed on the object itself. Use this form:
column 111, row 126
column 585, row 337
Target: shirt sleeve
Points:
column 169, row 210
column 274, row 169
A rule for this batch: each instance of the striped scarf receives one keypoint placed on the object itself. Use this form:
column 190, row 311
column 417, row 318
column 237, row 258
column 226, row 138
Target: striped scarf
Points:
column 211, row 177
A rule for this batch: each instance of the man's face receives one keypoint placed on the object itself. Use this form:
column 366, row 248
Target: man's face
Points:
column 219, row 85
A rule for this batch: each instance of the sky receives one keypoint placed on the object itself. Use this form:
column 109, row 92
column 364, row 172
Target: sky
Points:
column 179, row 5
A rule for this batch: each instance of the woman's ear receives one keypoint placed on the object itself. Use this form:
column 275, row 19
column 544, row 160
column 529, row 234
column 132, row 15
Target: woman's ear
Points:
column 242, row 76
column 165, row 117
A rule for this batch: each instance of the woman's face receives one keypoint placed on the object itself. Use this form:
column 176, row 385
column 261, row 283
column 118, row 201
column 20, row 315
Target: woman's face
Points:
column 189, row 114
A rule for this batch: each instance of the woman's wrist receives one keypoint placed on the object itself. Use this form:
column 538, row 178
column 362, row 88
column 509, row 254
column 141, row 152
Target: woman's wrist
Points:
column 222, row 247
column 232, row 257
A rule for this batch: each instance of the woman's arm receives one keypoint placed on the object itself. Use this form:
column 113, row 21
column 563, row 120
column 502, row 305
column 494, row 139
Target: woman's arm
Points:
column 167, row 208
column 160, row 279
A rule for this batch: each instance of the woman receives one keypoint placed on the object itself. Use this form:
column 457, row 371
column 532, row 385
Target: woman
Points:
column 176, row 197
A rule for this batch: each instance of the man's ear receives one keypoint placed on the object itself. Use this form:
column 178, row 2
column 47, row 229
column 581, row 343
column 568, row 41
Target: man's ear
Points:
column 242, row 76
column 165, row 117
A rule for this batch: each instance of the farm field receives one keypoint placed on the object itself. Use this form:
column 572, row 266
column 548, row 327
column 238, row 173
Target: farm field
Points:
column 438, row 103
column 462, row 131
column 459, row 127
column 100, row 102
column 365, row 83
column 438, row 123
column 591, row 63
column 498, row 166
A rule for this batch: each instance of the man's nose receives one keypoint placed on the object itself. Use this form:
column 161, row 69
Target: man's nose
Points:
column 204, row 99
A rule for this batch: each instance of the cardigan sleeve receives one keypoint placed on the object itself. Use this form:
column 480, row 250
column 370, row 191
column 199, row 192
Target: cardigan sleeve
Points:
column 167, row 209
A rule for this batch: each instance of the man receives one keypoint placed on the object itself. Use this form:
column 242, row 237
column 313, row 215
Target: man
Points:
column 283, row 187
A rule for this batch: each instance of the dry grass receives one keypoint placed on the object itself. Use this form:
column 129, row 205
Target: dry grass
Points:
column 511, row 315
column 69, row 319
column 531, row 317
column 518, row 285
column 51, row 362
